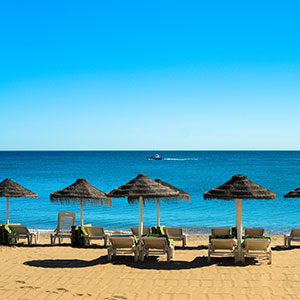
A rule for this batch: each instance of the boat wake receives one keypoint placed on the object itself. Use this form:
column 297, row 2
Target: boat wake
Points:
column 180, row 158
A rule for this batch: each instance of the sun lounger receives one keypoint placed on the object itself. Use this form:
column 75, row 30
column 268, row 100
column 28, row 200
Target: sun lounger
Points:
column 21, row 232
column 176, row 234
column 96, row 233
column 156, row 246
column 121, row 245
column 135, row 230
column 293, row 236
column 218, row 231
column 257, row 248
column 254, row 231
column 222, row 248
column 65, row 221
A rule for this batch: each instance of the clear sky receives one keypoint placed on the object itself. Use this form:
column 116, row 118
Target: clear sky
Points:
column 149, row 75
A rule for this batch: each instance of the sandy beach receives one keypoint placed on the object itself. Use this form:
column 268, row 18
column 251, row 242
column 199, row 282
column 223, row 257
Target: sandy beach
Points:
column 62, row 272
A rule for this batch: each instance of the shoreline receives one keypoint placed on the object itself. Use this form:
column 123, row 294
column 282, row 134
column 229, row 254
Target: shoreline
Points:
column 186, row 232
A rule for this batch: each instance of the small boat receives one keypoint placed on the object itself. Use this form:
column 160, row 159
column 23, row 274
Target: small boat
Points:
column 156, row 157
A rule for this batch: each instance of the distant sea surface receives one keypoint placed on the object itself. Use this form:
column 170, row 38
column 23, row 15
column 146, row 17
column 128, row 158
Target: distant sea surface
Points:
column 195, row 172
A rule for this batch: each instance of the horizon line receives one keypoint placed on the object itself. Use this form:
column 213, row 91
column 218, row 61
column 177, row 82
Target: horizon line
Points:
column 136, row 150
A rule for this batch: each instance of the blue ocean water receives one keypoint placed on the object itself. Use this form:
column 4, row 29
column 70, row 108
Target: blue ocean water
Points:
column 195, row 172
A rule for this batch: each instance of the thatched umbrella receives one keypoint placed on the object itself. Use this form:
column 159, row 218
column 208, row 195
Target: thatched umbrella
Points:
column 182, row 196
column 141, row 189
column 293, row 194
column 84, row 193
column 239, row 187
column 9, row 188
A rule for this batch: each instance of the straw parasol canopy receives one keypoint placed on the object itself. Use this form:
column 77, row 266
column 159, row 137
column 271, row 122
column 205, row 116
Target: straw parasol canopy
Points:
column 239, row 187
column 182, row 195
column 141, row 189
column 293, row 194
column 81, row 192
column 143, row 186
column 9, row 188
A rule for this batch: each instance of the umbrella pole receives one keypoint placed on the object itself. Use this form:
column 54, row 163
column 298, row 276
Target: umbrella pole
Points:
column 81, row 212
column 7, row 209
column 238, row 219
column 157, row 211
column 140, row 227
column 140, row 217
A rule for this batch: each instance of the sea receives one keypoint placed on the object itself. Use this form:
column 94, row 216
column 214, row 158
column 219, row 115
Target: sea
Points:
column 194, row 172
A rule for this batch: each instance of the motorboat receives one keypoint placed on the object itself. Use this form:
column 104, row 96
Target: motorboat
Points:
column 156, row 157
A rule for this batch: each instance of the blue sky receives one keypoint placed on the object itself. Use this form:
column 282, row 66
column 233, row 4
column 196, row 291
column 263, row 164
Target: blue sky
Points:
column 149, row 75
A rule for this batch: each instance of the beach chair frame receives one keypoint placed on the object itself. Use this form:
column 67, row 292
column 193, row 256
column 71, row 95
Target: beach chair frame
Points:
column 61, row 232
column 222, row 248
column 119, row 245
column 217, row 231
column 176, row 234
column 21, row 232
column 294, row 235
column 156, row 246
column 135, row 230
column 96, row 233
column 257, row 248
column 254, row 231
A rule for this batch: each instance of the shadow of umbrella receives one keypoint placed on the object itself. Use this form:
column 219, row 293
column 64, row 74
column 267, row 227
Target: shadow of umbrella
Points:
column 66, row 263
column 153, row 263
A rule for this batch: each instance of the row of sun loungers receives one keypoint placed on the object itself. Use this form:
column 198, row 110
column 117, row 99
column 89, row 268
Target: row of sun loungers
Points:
column 148, row 245
column 222, row 244
column 227, row 248
column 174, row 233
column 219, row 231
column 21, row 232
column 120, row 245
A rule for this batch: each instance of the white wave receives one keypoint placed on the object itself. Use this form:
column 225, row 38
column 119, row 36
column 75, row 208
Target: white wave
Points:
column 180, row 158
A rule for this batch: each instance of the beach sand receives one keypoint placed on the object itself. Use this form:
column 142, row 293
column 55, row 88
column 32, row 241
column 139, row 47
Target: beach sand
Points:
column 62, row 272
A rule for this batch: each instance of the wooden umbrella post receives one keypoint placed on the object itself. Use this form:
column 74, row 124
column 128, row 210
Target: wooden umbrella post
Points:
column 238, row 220
column 140, row 227
column 157, row 211
column 140, row 217
column 81, row 212
column 7, row 210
